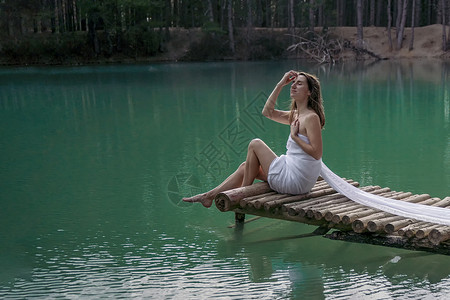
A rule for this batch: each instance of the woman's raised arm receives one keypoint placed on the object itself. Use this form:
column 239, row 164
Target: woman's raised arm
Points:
column 269, row 110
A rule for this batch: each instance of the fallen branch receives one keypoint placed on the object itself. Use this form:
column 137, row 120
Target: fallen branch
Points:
column 324, row 49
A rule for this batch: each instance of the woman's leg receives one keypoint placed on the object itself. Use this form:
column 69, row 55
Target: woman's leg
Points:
column 233, row 181
column 256, row 166
column 259, row 158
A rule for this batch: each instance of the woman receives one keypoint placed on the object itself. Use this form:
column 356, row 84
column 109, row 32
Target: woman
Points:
column 297, row 171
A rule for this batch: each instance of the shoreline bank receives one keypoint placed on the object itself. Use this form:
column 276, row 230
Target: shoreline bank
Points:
column 194, row 45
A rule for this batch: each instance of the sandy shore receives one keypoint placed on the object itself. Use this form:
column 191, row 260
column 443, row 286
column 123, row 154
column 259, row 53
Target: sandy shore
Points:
column 427, row 41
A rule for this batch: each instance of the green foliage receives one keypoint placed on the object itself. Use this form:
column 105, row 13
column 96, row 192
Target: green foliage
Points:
column 51, row 49
column 210, row 47
column 213, row 27
column 141, row 41
column 265, row 47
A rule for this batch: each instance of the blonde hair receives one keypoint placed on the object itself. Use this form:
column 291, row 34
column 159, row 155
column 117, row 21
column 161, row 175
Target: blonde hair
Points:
column 315, row 101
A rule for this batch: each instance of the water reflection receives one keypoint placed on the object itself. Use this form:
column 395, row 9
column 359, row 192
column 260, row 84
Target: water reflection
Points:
column 319, row 269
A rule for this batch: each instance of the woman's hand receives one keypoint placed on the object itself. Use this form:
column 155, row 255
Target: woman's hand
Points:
column 295, row 127
column 288, row 77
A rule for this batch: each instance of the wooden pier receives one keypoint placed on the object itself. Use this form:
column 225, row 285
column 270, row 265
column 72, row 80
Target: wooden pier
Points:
column 347, row 220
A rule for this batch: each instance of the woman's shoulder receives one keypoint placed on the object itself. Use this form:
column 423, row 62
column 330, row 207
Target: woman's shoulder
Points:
column 311, row 119
column 311, row 115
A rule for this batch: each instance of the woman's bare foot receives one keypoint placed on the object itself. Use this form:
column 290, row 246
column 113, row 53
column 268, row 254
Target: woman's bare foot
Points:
column 206, row 199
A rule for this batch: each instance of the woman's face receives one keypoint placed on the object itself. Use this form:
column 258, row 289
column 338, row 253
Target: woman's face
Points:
column 299, row 88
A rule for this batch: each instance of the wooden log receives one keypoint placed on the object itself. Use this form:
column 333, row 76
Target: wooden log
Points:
column 332, row 200
column 257, row 200
column 247, row 201
column 377, row 225
column 303, row 210
column 430, row 201
column 421, row 229
column 294, row 208
column 229, row 200
column 380, row 222
column 313, row 194
column 352, row 207
column 360, row 224
column 390, row 224
column 413, row 227
column 301, row 199
column 319, row 185
column 260, row 202
column 292, row 204
column 349, row 218
column 337, row 217
column 319, row 212
column 417, row 198
column 438, row 235
column 280, row 202
column 349, row 206
column 425, row 231
column 343, row 209
column 340, row 199
column 443, row 203
column 393, row 226
column 327, row 199
column 402, row 195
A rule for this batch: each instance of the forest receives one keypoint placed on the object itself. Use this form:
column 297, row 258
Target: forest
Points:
column 87, row 31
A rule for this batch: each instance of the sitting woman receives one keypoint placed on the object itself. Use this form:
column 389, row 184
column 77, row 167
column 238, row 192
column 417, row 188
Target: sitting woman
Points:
column 295, row 172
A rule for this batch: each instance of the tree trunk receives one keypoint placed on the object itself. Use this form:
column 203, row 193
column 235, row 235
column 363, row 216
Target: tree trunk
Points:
column 56, row 17
column 267, row 15
column 359, row 17
column 448, row 35
column 63, row 8
column 378, row 15
column 291, row 20
column 75, row 21
column 92, row 27
column 389, row 25
column 290, row 14
column 429, row 9
column 340, row 7
column 372, row 13
column 249, row 14
column 444, row 35
column 311, row 16
column 338, row 2
column 167, row 19
column 320, row 21
column 413, row 14
column 398, row 16
column 400, row 32
column 209, row 12
column 419, row 7
column 230, row 25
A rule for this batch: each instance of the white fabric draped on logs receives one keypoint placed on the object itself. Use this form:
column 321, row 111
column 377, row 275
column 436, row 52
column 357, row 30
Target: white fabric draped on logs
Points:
column 416, row 211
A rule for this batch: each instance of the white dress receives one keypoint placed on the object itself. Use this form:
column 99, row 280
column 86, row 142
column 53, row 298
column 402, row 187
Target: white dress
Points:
column 295, row 172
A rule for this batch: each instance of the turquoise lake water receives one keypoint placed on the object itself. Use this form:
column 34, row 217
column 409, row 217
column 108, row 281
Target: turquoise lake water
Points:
column 94, row 161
